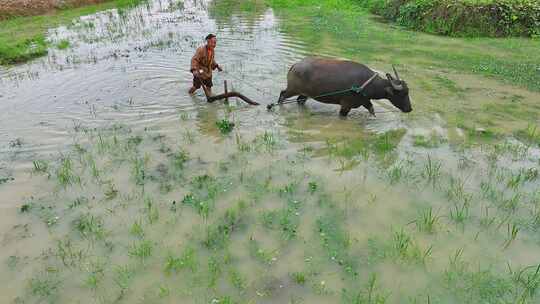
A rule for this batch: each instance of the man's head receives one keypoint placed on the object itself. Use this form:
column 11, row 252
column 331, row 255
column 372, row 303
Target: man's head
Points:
column 211, row 41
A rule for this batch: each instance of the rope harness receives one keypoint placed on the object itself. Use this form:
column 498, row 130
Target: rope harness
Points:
column 354, row 88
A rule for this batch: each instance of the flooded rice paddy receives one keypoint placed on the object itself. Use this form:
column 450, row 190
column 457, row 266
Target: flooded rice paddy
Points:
column 116, row 186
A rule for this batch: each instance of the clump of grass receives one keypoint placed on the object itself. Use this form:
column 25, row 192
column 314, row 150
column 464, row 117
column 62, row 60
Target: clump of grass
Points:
column 89, row 226
column 151, row 210
column 531, row 135
column 369, row 294
column 459, row 213
column 256, row 252
column 285, row 220
column 40, row 166
column 456, row 191
column 511, row 234
column 123, row 277
column 387, row 142
column 432, row 171
column 139, row 169
column 65, row 173
column 63, row 44
column 217, row 235
column 528, row 278
column 203, row 208
column 137, row 229
column 225, row 126
column 432, row 141
column 267, row 140
column 110, row 191
column 215, row 269
column 69, row 254
column 427, row 221
column 298, row 277
column 312, row 187
column 187, row 260
column 179, row 159
column 96, row 274
column 142, row 250
column 45, row 286
column 336, row 242
column 238, row 280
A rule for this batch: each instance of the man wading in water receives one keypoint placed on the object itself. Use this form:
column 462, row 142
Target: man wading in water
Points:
column 202, row 65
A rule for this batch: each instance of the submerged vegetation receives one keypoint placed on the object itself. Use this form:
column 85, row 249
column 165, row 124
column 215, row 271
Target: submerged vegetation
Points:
column 287, row 206
column 227, row 227
column 24, row 38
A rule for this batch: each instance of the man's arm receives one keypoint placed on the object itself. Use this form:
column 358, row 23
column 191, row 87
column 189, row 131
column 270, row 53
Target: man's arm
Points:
column 215, row 65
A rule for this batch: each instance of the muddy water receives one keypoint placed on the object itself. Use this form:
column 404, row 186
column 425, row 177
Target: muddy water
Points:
column 122, row 189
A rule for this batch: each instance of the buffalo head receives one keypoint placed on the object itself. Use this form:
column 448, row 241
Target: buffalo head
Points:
column 398, row 92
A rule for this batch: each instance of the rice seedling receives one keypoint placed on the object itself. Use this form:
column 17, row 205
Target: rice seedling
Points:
column 225, row 126
column 285, row 220
column 79, row 201
column 45, row 286
column 432, row 141
column 432, row 171
column 95, row 274
column 89, row 226
column 187, row 260
column 137, row 229
column 151, row 210
column 336, row 243
column 139, row 169
column 179, row 160
column 64, row 173
column 164, row 292
column 142, row 250
column 511, row 204
column 189, row 137
column 528, row 278
column 238, row 281
column 299, row 278
column 531, row 135
column 215, row 269
column 456, row 191
column 312, row 187
column 427, row 221
column 110, row 191
column 370, row 294
column 259, row 254
column 268, row 140
column 459, row 213
column 68, row 254
column 395, row 174
column 511, row 234
column 217, row 235
column 40, row 166
column 401, row 242
column 123, row 276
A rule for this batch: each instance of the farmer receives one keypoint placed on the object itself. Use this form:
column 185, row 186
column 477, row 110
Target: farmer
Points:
column 202, row 65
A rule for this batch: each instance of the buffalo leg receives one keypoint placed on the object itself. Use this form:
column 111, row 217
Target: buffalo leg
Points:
column 301, row 99
column 344, row 111
column 369, row 106
column 284, row 95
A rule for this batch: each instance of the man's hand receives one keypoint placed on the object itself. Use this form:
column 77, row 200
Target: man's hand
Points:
column 197, row 73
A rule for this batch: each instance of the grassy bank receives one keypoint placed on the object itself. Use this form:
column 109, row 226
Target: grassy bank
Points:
column 23, row 38
column 513, row 60
column 492, row 18
column 467, row 81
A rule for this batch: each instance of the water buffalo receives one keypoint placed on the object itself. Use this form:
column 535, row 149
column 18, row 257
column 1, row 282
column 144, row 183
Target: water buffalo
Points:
column 313, row 77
